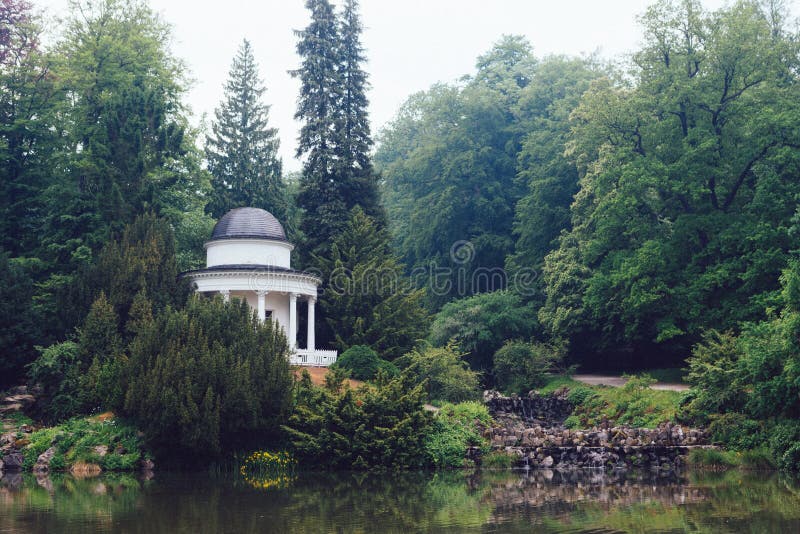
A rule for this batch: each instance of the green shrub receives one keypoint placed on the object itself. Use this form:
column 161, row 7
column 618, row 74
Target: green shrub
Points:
column 479, row 325
column 364, row 363
column 57, row 371
column 578, row 395
column 379, row 425
column 443, row 371
column 712, row 374
column 784, row 444
column 520, row 367
column 208, row 378
column 456, row 427
column 737, row 432
column 760, row 459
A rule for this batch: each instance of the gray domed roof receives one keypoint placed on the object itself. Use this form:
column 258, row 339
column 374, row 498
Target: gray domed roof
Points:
column 252, row 223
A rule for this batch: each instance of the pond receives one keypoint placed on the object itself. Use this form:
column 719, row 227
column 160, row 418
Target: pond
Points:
column 456, row 501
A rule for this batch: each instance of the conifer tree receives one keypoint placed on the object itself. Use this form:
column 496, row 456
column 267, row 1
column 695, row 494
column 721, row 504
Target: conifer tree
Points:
column 356, row 170
column 335, row 137
column 242, row 151
column 368, row 300
column 321, row 195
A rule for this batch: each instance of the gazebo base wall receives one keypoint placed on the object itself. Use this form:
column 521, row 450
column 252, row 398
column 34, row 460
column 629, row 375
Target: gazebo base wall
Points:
column 313, row 358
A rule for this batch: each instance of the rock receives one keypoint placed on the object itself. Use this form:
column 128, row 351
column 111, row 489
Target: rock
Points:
column 43, row 462
column 7, row 439
column 147, row 465
column 13, row 461
column 548, row 462
column 101, row 450
column 5, row 408
column 1, row 467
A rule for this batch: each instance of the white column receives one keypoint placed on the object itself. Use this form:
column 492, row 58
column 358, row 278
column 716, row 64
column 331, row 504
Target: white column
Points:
column 226, row 295
column 310, row 326
column 292, row 320
column 262, row 306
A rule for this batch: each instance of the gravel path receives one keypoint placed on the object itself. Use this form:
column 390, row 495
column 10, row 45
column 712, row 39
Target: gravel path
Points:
column 618, row 381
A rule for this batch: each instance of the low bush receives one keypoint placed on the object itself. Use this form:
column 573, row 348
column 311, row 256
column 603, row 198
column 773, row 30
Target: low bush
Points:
column 456, row 427
column 363, row 363
column 633, row 404
column 737, row 432
column 380, row 425
column 443, row 372
column 784, row 444
column 520, row 367
column 112, row 444
column 498, row 460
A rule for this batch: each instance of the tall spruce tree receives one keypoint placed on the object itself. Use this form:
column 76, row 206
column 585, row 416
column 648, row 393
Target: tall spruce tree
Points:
column 321, row 194
column 335, row 136
column 242, row 152
column 356, row 170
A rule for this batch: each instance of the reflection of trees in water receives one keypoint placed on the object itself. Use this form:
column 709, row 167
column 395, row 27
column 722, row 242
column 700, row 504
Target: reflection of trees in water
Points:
column 456, row 501
column 59, row 499
column 645, row 502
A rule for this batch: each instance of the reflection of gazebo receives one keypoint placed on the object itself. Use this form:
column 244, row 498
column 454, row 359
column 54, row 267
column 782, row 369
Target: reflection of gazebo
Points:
column 248, row 257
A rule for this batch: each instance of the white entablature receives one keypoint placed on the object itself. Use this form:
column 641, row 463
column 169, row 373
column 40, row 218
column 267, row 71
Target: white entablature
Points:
column 249, row 257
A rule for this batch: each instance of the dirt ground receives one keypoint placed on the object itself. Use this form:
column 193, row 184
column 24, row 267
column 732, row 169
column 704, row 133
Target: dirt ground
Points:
column 318, row 375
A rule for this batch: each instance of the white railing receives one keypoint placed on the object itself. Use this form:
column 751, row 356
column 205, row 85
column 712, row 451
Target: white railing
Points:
column 313, row 358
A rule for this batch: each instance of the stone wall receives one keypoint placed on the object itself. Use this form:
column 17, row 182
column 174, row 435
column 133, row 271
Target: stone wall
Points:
column 524, row 431
column 543, row 410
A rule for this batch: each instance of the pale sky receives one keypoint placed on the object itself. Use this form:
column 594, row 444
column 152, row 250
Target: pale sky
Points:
column 410, row 44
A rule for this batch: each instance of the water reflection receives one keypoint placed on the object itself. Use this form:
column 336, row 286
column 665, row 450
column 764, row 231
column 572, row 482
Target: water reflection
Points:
column 489, row 501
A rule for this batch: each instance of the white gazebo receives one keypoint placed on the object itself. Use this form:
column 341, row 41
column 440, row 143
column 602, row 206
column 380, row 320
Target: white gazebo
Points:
column 248, row 257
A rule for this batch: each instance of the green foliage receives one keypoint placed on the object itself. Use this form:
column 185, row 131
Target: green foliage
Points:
column 479, row 325
column 382, row 425
column 784, row 444
column 520, row 367
column 632, row 404
column 748, row 384
column 207, row 378
column 242, row 150
column 334, row 136
column 456, row 427
column 737, row 432
column 573, row 421
column 363, row 363
column 18, row 320
column 448, row 162
column 676, row 227
column 367, row 299
column 141, row 260
column 713, row 458
column 78, row 440
column 57, row 370
column 443, row 373
column 498, row 460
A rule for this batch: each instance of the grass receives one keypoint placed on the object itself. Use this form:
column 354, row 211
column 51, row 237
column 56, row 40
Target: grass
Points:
column 77, row 441
column 669, row 375
column 633, row 404
column 719, row 460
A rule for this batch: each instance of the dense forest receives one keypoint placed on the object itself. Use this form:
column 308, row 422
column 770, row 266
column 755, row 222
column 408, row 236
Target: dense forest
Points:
column 538, row 213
